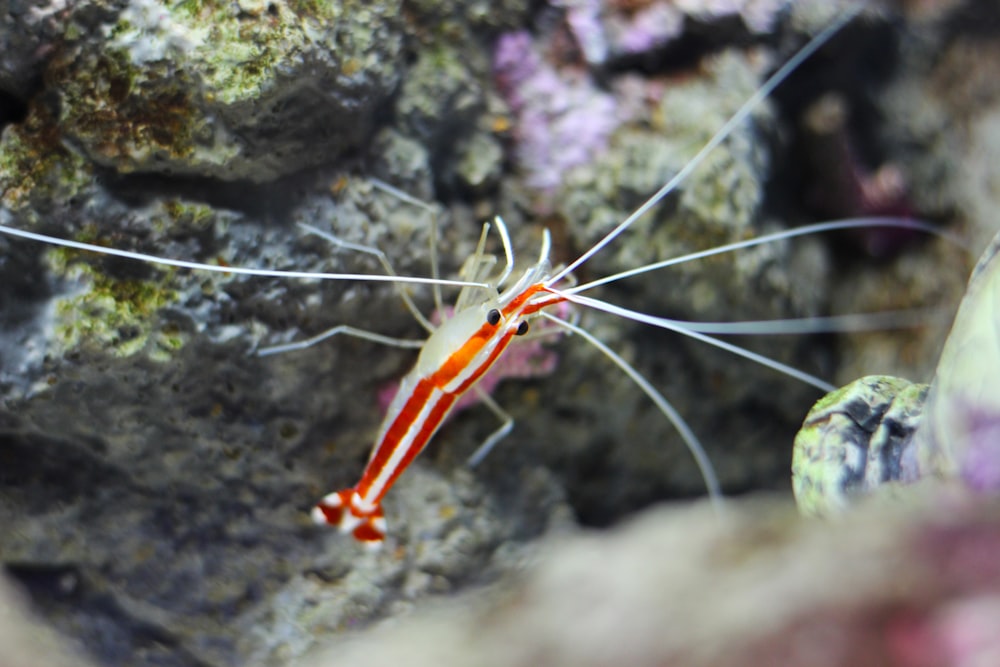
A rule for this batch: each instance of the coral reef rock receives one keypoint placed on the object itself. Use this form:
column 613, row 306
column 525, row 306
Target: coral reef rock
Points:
column 894, row 587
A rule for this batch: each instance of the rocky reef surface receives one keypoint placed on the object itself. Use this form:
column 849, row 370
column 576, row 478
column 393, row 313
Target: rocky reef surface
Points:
column 156, row 475
column 904, row 588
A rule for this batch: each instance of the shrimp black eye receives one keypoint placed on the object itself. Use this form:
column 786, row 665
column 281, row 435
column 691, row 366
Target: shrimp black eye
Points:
column 522, row 328
column 493, row 317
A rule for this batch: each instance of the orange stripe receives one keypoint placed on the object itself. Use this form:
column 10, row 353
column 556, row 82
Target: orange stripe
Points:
column 399, row 429
column 400, row 425
column 516, row 303
column 427, row 430
column 486, row 365
column 460, row 360
column 453, row 366
column 553, row 299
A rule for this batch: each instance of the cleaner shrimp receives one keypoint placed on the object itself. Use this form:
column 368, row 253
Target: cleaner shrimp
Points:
column 539, row 287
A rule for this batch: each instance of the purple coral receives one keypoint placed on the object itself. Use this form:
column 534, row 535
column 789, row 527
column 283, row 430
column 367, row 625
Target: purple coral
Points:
column 645, row 29
column 562, row 119
column 962, row 633
column 631, row 27
column 980, row 465
column 583, row 18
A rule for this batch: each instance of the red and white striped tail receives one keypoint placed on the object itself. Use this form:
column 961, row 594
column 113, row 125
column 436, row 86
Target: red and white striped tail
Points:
column 344, row 510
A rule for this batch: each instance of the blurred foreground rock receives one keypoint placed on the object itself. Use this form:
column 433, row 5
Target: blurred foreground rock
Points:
column 152, row 462
column 23, row 641
column 904, row 586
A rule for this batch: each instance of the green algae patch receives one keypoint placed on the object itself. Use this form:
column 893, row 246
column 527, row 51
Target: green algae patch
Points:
column 127, row 116
column 181, row 214
column 35, row 166
column 229, row 90
column 115, row 315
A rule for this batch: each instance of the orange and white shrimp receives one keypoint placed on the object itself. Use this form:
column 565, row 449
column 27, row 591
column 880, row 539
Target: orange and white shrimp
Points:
column 464, row 348
column 486, row 323
column 452, row 360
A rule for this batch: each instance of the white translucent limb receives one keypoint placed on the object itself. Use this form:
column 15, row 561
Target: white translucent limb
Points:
column 236, row 270
column 543, row 252
column 506, row 425
column 432, row 237
column 833, row 225
column 507, row 251
column 672, row 325
column 477, row 266
column 533, row 274
column 507, row 422
column 399, row 194
column 346, row 330
column 741, row 114
column 377, row 253
column 664, row 406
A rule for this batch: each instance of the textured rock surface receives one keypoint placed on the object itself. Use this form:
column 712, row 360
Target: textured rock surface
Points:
column 880, row 432
column 211, row 90
column 963, row 406
column 762, row 587
column 24, row 640
column 148, row 456
column 944, row 99
column 29, row 32
column 855, row 441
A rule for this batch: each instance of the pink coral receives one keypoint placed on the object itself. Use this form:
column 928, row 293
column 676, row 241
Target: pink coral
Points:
column 980, row 465
column 607, row 29
column 562, row 119
column 963, row 633
column 645, row 29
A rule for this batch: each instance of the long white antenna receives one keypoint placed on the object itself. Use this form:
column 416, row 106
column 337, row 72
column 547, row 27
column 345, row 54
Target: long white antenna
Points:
column 805, row 230
column 184, row 264
column 672, row 325
column 741, row 114
column 664, row 406
column 855, row 322
column 508, row 253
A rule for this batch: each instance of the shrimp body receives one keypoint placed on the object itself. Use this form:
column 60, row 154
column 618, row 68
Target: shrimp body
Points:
column 452, row 360
column 462, row 350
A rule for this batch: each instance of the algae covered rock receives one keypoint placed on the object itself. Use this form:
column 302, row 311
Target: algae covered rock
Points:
column 29, row 32
column 150, row 458
column 881, row 432
column 757, row 587
column 963, row 407
column 855, row 441
column 249, row 90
